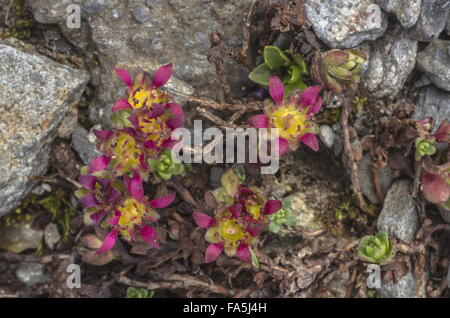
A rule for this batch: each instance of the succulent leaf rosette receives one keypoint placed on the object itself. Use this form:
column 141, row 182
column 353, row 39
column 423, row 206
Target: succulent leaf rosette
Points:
column 293, row 118
column 337, row 69
column 376, row 249
column 164, row 167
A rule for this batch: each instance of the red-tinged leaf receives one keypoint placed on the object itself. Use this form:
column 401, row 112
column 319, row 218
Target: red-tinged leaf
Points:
column 124, row 76
column 243, row 252
column 311, row 141
column 121, row 104
column 276, row 89
column 272, row 206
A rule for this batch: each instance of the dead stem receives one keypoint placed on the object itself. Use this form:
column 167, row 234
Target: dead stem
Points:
column 176, row 281
column 351, row 157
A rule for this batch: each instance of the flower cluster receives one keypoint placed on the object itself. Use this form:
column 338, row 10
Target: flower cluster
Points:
column 292, row 118
column 112, row 192
column 235, row 228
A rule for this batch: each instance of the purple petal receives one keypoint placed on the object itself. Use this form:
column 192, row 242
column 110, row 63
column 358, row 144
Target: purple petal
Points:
column 121, row 104
column 236, row 210
column 202, row 220
column 169, row 143
column 102, row 135
column 244, row 192
column 113, row 195
column 149, row 235
column 316, row 107
column 283, row 146
column 150, row 145
column 175, row 109
column 243, row 252
column 88, row 201
column 144, row 164
column 213, row 251
column 134, row 120
column 253, row 231
column 156, row 110
column 309, row 96
column 135, row 187
column 162, row 75
column 276, row 89
column 163, row 201
column 176, row 122
column 114, row 220
column 108, row 243
column 99, row 163
column 87, row 181
column 272, row 206
column 259, row 121
column 98, row 216
column 124, row 76
column 311, row 141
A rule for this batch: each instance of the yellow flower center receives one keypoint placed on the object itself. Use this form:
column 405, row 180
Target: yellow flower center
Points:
column 155, row 128
column 230, row 230
column 253, row 208
column 126, row 152
column 132, row 212
column 142, row 96
column 291, row 121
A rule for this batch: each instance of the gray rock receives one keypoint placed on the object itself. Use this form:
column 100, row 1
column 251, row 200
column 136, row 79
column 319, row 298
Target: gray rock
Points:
column 345, row 23
column 51, row 235
column 406, row 11
column 392, row 59
column 435, row 62
column 433, row 102
column 118, row 39
column 85, row 145
column 432, row 20
column 141, row 13
column 404, row 288
column 399, row 215
column 365, row 178
column 92, row 7
column 69, row 124
column 35, row 94
column 31, row 274
column 327, row 135
column 19, row 237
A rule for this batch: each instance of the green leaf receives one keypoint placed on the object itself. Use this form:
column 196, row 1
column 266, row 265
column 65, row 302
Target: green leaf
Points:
column 120, row 118
column 274, row 227
column 260, row 74
column 255, row 261
column 289, row 88
column 274, row 57
column 294, row 75
column 299, row 61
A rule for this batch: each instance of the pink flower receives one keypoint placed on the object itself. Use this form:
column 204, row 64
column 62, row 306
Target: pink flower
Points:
column 294, row 118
